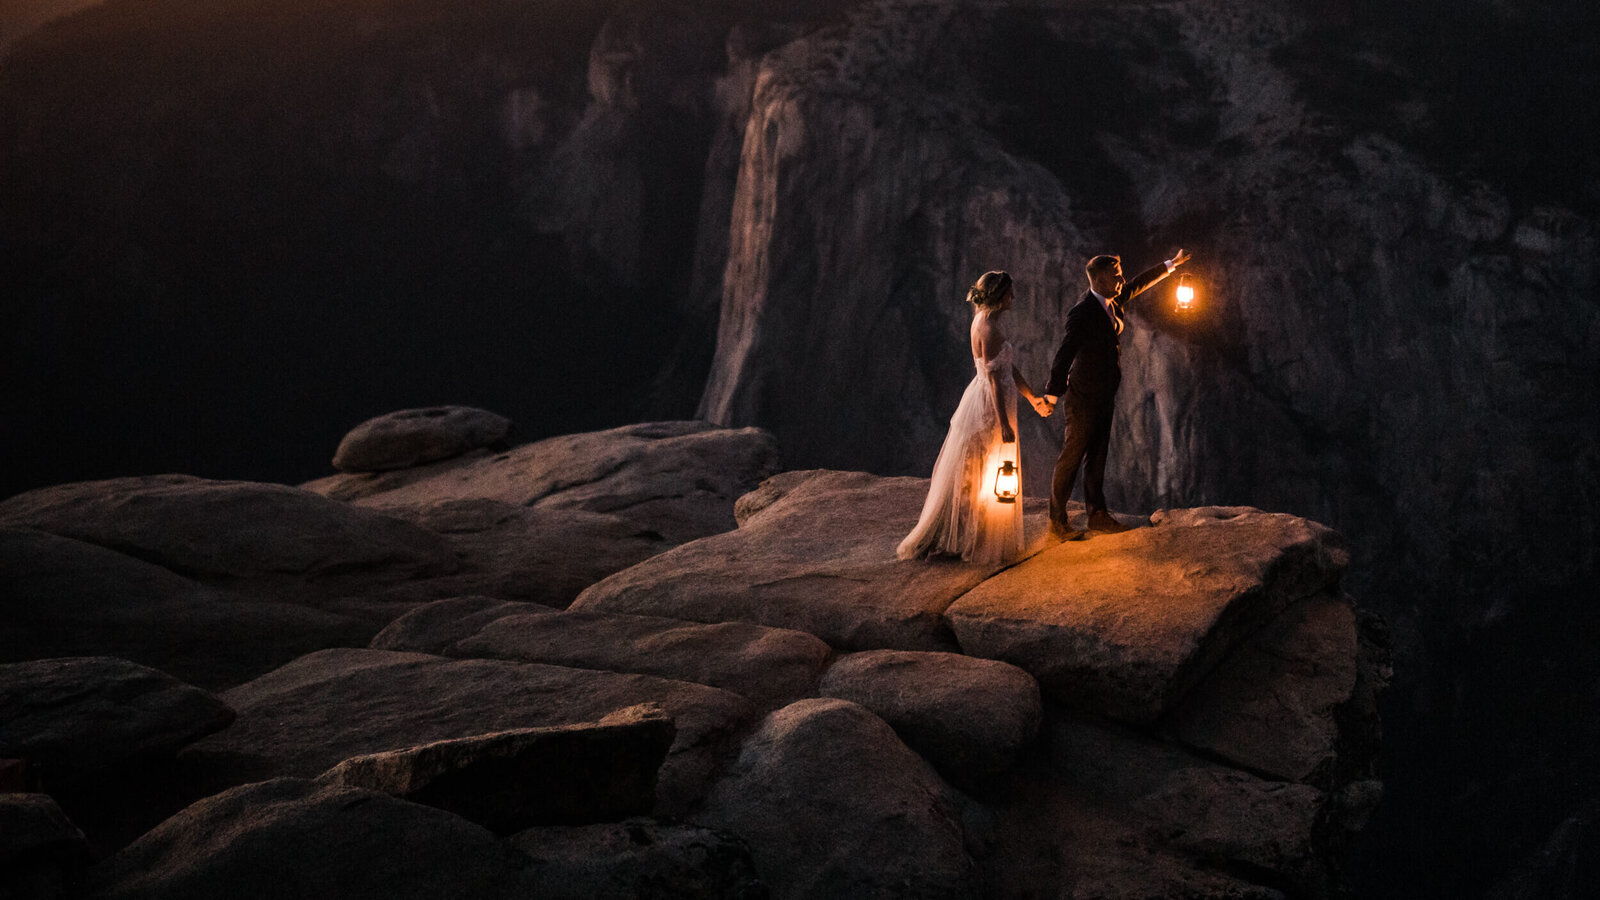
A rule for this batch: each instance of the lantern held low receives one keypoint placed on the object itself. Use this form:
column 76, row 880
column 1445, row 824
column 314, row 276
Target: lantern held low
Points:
column 1005, row 482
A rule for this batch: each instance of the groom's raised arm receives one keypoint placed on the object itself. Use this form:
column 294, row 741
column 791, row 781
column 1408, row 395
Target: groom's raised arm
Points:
column 1146, row 280
column 1150, row 277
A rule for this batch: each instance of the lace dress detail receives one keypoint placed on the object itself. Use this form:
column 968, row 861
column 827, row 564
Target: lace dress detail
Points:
column 962, row 516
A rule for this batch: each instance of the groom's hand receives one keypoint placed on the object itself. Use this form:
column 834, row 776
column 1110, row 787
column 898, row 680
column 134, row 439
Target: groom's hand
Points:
column 1177, row 259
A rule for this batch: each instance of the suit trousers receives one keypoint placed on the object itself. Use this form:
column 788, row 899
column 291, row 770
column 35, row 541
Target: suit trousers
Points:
column 1087, row 439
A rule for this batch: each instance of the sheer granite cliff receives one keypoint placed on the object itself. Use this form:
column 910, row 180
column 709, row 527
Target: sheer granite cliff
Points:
column 1371, row 342
column 1396, row 329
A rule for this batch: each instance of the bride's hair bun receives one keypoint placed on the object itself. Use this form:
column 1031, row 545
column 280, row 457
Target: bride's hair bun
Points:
column 990, row 289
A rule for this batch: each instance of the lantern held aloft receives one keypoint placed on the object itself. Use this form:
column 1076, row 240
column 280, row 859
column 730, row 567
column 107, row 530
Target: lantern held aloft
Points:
column 1005, row 482
column 1185, row 292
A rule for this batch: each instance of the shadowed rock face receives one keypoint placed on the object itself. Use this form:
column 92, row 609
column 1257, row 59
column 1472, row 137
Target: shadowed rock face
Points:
column 297, row 720
column 41, row 851
column 1169, row 804
column 823, row 824
column 243, row 838
column 1272, row 707
column 62, row 597
column 510, row 780
column 80, row 717
column 968, row 717
column 638, row 858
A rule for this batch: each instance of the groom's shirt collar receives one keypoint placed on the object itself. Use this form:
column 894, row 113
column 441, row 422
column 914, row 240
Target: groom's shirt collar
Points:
column 1102, row 301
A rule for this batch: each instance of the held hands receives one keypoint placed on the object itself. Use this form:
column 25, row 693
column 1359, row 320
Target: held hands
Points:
column 1044, row 406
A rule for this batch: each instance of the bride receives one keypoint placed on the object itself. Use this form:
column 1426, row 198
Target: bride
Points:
column 962, row 515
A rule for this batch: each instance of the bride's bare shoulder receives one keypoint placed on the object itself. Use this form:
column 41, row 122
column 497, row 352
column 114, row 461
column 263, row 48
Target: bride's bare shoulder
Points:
column 987, row 337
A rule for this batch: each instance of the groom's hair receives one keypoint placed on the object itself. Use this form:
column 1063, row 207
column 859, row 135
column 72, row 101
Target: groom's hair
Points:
column 1105, row 262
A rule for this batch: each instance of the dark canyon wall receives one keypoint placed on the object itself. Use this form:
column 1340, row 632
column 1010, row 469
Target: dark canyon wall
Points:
column 234, row 230
column 1397, row 332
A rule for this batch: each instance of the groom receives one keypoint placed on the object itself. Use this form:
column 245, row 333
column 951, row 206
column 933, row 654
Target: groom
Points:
column 1085, row 375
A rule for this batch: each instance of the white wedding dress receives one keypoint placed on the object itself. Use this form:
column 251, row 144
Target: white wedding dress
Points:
column 962, row 516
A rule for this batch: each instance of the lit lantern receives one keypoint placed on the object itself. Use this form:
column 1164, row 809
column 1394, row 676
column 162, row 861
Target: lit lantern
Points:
column 1005, row 482
column 1185, row 292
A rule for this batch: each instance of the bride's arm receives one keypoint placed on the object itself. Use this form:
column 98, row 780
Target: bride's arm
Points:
column 988, row 337
column 1022, row 384
column 1026, row 391
column 1007, row 435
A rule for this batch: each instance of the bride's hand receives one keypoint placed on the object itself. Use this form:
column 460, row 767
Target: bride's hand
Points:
column 1007, row 436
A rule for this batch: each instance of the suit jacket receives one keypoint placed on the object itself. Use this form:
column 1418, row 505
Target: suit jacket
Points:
column 1088, row 361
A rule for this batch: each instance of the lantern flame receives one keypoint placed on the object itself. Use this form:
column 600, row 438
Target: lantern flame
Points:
column 1185, row 292
column 1005, row 482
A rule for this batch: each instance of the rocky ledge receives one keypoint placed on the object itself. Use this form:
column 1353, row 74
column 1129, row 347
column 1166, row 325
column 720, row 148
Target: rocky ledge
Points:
column 644, row 658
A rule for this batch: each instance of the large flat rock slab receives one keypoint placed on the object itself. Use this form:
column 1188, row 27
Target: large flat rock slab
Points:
column 771, row 666
column 435, row 627
column 534, row 554
column 677, row 480
column 1125, row 624
column 233, row 529
column 814, row 552
column 321, row 709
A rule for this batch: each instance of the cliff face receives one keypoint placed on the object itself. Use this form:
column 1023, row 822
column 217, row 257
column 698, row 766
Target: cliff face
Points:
column 1396, row 323
column 1362, row 309
column 865, row 204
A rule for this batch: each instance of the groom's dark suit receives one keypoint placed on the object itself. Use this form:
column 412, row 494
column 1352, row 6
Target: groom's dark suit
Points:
column 1085, row 375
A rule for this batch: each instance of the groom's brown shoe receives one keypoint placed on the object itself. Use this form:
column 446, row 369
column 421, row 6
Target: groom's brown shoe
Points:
column 1066, row 533
column 1101, row 521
